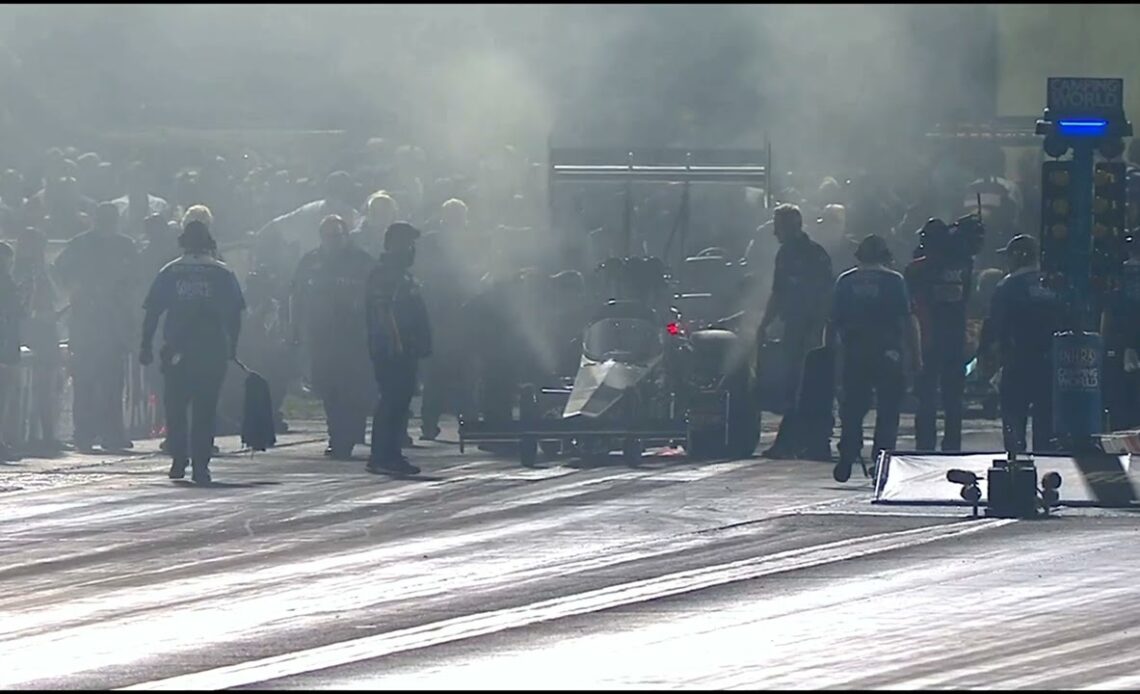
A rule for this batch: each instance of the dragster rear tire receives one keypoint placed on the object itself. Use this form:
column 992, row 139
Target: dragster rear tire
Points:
column 743, row 418
column 743, row 441
column 528, row 451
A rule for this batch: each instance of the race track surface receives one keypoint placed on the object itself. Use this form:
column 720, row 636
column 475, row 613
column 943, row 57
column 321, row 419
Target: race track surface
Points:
column 295, row 571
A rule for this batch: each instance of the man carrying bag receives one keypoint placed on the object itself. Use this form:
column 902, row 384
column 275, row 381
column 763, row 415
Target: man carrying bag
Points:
column 203, row 302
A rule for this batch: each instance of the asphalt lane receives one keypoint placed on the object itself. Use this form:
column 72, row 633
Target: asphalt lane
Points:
column 1021, row 606
column 297, row 571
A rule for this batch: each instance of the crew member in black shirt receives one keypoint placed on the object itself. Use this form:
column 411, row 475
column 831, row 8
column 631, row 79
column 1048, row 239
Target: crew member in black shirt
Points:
column 399, row 336
column 801, row 285
column 97, row 268
column 939, row 282
column 328, row 304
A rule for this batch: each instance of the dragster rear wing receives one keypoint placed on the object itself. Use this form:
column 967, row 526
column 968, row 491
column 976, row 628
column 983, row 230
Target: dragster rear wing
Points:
column 752, row 167
column 747, row 166
column 1008, row 131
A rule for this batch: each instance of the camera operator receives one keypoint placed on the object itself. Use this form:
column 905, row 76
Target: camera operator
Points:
column 939, row 281
column 1120, row 326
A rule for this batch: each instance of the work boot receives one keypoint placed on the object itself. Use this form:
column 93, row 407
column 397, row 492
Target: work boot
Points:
column 178, row 468
column 399, row 466
column 777, row 453
column 84, row 445
column 820, row 454
column 842, row 471
column 52, row 445
column 429, row 434
column 201, row 474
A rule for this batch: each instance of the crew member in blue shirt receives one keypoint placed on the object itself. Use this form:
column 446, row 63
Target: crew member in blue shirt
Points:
column 203, row 303
column 875, row 337
column 1018, row 335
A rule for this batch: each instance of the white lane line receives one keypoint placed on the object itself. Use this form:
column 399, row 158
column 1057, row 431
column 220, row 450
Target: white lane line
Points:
column 370, row 647
column 1124, row 683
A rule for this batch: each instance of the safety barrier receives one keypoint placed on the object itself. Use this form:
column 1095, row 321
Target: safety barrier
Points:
column 20, row 423
column 18, row 411
column 142, row 408
column 142, row 411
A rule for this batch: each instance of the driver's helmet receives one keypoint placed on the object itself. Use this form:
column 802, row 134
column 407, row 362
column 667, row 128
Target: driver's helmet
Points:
column 647, row 275
column 625, row 331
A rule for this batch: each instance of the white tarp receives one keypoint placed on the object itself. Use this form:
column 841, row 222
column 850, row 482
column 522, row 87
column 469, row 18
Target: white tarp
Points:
column 920, row 478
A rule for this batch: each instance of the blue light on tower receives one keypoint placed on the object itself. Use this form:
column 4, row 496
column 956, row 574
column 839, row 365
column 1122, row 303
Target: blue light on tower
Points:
column 1082, row 127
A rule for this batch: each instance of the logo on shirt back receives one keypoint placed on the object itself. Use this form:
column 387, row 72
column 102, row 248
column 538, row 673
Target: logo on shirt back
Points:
column 956, row 276
column 1040, row 292
column 193, row 289
column 950, row 286
column 866, row 290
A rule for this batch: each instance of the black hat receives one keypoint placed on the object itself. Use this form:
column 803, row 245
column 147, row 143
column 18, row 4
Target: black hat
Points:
column 1021, row 246
column 873, row 249
column 196, row 237
column 106, row 213
column 400, row 234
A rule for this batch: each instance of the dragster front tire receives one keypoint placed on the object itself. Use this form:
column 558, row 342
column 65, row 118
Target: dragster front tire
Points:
column 528, row 415
column 632, row 450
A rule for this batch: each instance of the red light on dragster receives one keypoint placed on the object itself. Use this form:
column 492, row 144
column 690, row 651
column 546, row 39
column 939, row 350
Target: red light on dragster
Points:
column 673, row 329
